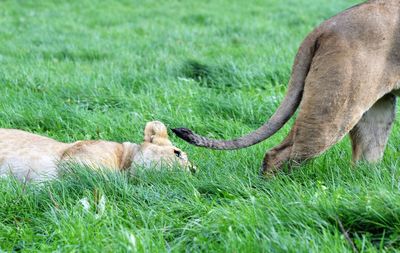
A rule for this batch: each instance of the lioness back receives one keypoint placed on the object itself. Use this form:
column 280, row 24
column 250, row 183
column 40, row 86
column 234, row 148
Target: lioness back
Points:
column 29, row 156
column 20, row 150
column 95, row 154
column 33, row 157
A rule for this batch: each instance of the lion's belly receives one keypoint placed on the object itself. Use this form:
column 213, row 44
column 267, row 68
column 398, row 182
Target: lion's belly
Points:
column 28, row 167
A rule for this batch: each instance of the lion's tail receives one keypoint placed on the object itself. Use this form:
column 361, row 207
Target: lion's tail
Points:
column 284, row 112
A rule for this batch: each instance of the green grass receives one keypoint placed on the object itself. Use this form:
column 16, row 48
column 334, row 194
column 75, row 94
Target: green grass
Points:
column 101, row 70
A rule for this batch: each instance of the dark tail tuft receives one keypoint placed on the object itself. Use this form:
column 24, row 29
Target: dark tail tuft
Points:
column 185, row 134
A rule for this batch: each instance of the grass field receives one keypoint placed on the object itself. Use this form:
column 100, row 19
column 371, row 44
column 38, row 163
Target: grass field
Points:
column 100, row 70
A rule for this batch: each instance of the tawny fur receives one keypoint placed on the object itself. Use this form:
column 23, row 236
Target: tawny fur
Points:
column 344, row 78
column 156, row 134
column 29, row 156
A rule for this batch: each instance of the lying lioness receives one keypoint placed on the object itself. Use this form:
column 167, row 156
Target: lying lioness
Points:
column 345, row 79
column 29, row 156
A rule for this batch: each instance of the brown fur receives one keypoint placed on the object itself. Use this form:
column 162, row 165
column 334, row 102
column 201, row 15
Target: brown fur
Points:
column 344, row 79
column 32, row 157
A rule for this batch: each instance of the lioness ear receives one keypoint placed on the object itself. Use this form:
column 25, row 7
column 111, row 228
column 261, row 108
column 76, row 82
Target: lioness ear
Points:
column 155, row 130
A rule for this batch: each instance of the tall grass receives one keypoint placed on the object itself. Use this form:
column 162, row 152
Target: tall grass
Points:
column 102, row 69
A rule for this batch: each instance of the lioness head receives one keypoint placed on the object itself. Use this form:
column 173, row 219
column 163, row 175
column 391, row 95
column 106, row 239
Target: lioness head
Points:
column 158, row 151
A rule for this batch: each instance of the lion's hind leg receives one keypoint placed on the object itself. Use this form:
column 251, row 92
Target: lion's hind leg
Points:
column 277, row 156
column 369, row 137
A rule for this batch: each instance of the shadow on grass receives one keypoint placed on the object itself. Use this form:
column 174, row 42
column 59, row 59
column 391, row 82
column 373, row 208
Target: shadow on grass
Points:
column 88, row 55
column 227, row 77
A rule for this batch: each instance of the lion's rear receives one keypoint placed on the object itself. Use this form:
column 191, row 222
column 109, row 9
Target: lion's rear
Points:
column 28, row 156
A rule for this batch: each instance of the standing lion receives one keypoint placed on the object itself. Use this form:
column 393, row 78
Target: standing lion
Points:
column 344, row 80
